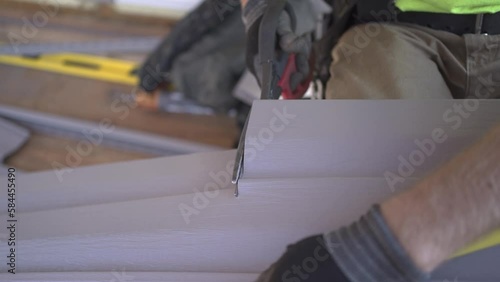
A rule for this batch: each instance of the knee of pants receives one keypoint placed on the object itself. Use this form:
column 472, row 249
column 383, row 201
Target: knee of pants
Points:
column 355, row 41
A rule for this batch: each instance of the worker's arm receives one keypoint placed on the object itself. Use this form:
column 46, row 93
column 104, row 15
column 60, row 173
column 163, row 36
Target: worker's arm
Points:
column 411, row 234
column 451, row 208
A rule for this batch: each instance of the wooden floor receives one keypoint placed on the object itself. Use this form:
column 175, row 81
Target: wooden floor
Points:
column 42, row 152
column 88, row 99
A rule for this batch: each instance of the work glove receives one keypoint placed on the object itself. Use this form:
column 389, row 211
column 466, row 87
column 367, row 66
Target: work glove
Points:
column 306, row 260
column 366, row 250
column 203, row 57
column 206, row 18
column 295, row 28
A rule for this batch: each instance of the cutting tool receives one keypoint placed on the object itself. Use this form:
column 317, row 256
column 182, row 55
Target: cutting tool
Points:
column 276, row 70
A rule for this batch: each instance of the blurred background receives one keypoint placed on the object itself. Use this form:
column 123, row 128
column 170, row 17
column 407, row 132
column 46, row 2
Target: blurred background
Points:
column 69, row 86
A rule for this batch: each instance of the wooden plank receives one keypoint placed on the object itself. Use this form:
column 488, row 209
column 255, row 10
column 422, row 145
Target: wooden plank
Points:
column 42, row 150
column 95, row 100
column 61, row 27
column 87, row 99
column 104, row 133
column 103, row 12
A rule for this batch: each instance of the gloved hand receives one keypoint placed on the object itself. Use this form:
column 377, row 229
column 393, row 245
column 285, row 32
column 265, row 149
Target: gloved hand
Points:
column 307, row 260
column 295, row 28
column 202, row 57
column 203, row 21
column 366, row 250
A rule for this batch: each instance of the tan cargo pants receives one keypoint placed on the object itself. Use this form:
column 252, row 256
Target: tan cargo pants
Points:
column 400, row 61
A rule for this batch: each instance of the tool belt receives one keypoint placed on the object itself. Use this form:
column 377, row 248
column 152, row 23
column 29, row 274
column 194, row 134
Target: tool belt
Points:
column 386, row 11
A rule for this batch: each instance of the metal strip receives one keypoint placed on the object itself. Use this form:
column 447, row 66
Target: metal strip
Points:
column 13, row 137
column 118, row 137
column 479, row 24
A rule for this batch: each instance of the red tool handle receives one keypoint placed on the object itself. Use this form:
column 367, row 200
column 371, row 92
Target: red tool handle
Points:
column 284, row 82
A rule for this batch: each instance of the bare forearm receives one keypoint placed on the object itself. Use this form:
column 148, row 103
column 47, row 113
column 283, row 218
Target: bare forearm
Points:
column 451, row 208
